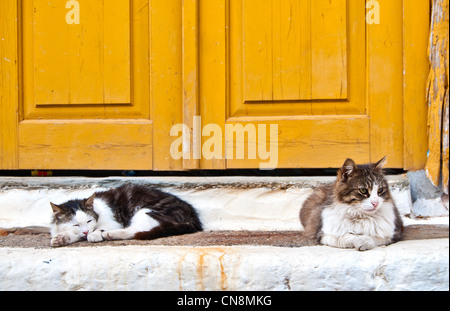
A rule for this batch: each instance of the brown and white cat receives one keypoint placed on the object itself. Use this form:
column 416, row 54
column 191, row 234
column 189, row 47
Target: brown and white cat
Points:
column 356, row 211
column 127, row 212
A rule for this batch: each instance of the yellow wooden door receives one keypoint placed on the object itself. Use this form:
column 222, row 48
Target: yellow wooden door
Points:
column 212, row 84
column 85, row 85
column 327, row 75
column 292, row 62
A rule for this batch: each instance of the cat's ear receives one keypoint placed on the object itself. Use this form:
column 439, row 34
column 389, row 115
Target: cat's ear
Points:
column 56, row 209
column 90, row 202
column 347, row 169
column 379, row 165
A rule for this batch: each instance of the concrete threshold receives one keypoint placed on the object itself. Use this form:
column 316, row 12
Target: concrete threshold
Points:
column 225, row 203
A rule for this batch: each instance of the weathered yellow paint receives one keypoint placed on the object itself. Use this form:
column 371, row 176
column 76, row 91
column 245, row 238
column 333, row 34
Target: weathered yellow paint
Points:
column 86, row 63
column 9, row 85
column 98, row 69
column 329, row 32
column 130, row 70
column 385, row 84
column 190, row 30
column 276, row 68
column 314, row 95
column 85, row 144
column 213, row 53
column 166, row 79
column 88, row 86
column 300, row 72
column 438, row 97
column 415, row 71
column 311, row 140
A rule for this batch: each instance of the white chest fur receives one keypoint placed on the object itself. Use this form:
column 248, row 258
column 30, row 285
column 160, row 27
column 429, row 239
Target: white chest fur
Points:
column 340, row 219
column 106, row 220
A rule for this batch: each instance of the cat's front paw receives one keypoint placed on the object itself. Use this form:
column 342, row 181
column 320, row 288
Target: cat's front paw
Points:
column 118, row 234
column 107, row 236
column 364, row 243
column 95, row 237
column 60, row 240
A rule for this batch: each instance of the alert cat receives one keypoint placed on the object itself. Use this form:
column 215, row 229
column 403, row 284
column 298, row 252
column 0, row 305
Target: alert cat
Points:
column 356, row 211
column 127, row 212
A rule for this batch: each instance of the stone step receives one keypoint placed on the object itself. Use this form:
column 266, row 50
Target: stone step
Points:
column 224, row 203
column 270, row 257
column 407, row 265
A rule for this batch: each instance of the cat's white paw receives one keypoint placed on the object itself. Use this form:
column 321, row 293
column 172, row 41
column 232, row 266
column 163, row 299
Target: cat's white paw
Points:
column 107, row 236
column 60, row 240
column 95, row 237
column 118, row 234
column 364, row 243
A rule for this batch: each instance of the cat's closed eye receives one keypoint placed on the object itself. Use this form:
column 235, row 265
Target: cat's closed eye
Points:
column 76, row 225
column 89, row 221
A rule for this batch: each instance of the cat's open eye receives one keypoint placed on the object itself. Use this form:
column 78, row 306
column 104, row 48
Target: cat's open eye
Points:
column 380, row 190
column 363, row 191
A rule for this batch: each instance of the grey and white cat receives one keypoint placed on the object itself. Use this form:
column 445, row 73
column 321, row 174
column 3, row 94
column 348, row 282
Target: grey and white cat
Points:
column 126, row 212
column 356, row 211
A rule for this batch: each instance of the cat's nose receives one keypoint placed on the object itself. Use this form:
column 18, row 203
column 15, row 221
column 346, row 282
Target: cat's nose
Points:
column 375, row 203
column 85, row 233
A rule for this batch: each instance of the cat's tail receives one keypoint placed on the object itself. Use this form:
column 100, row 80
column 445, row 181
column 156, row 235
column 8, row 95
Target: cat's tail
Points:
column 167, row 229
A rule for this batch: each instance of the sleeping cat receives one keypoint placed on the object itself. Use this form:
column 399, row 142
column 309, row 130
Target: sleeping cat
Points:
column 356, row 211
column 128, row 212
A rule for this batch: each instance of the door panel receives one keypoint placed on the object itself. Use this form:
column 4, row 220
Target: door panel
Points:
column 302, row 140
column 86, row 63
column 293, row 50
column 85, row 86
column 86, row 144
column 85, row 70
column 298, row 64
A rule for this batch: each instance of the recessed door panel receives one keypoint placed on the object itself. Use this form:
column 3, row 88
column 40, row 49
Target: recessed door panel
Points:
column 85, row 97
column 296, row 58
column 294, row 50
column 84, row 59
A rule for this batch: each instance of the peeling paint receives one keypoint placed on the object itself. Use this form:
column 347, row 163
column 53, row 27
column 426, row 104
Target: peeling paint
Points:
column 437, row 96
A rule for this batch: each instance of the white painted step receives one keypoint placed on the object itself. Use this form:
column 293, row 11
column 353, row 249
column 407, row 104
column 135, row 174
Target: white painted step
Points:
column 223, row 203
column 408, row 265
